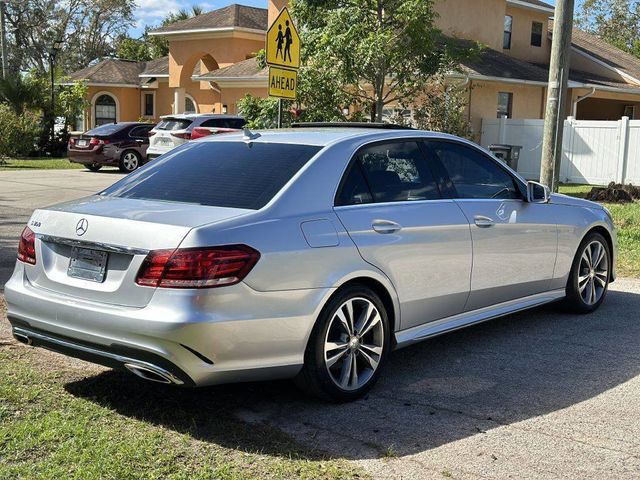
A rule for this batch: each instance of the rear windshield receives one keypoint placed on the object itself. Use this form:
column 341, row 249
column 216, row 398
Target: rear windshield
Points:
column 219, row 174
column 237, row 123
column 104, row 130
column 173, row 124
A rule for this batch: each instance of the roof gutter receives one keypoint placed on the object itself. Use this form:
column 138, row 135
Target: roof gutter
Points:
column 531, row 6
column 209, row 30
column 574, row 108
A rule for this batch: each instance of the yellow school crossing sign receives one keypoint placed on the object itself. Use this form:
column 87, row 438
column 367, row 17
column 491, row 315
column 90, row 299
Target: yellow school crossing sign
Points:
column 283, row 56
column 283, row 42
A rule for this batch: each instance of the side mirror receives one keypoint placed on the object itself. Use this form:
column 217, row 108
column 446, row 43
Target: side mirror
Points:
column 538, row 193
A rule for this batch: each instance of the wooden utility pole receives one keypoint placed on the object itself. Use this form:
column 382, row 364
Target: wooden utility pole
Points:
column 557, row 94
column 3, row 40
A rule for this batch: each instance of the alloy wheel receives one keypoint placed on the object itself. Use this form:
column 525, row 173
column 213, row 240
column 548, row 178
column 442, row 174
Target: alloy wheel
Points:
column 593, row 273
column 354, row 343
column 130, row 161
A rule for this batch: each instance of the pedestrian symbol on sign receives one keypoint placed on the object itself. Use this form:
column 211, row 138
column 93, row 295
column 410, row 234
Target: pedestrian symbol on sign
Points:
column 283, row 42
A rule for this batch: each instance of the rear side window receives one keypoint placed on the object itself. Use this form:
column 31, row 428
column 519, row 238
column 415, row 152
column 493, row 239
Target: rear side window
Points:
column 237, row 123
column 140, row 132
column 173, row 124
column 473, row 174
column 219, row 174
column 394, row 172
column 105, row 130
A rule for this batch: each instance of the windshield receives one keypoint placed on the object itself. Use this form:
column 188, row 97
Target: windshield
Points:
column 219, row 174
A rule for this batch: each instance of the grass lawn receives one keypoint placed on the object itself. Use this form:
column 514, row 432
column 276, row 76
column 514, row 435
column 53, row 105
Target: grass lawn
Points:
column 44, row 163
column 57, row 421
column 626, row 216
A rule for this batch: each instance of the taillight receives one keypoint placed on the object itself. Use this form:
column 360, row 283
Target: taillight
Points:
column 152, row 133
column 200, row 132
column 197, row 267
column 27, row 247
column 72, row 141
column 97, row 141
column 183, row 135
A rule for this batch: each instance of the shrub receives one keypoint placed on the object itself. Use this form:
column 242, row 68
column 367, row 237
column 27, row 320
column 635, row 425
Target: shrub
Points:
column 18, row 133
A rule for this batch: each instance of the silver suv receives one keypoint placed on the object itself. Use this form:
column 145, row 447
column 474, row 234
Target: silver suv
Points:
column 307, row 254
column 174, row 130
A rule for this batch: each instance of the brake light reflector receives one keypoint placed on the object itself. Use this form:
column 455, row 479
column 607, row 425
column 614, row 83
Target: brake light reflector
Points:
column 200, row 132
column 27, row 247
column 206, row 267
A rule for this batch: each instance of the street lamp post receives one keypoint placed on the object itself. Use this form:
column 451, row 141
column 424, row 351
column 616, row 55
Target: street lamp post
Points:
column 53, row 52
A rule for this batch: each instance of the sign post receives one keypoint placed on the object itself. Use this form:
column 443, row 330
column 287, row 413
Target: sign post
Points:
column 283, row 57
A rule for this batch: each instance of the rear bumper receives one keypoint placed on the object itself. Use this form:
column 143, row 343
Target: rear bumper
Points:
column 155, row 151
column 204, row 337
column 90, row 157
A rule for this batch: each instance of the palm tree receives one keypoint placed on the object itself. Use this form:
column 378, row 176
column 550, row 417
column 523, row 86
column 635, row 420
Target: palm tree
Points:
column 20, row 94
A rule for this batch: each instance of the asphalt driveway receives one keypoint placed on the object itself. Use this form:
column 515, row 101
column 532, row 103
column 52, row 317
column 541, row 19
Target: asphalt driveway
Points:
column 540, row 394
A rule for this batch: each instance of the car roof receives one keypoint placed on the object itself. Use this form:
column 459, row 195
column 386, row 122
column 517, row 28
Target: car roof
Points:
column 324, row 136
column 191, row 116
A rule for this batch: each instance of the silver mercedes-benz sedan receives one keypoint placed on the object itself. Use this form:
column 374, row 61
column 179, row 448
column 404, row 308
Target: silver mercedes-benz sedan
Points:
column 308, row 253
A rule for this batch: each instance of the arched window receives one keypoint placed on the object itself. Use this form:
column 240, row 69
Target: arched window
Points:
column 105, row 110
column 190, row 104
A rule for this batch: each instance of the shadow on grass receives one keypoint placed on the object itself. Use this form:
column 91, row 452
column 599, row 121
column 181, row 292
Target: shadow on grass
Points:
column 449, row 388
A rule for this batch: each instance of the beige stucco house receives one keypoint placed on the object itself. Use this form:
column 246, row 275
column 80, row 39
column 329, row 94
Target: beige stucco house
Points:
column 211, row 65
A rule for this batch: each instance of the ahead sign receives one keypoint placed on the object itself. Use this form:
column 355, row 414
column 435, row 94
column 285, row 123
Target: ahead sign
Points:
column 282, row 83
column 283, row 42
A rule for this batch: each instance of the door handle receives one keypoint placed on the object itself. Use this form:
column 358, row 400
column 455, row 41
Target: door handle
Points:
column 385, row 226
column 483, row 222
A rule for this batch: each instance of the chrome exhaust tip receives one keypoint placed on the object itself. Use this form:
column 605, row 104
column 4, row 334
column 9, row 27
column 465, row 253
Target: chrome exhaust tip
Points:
column 150, row 373
column 22, row 338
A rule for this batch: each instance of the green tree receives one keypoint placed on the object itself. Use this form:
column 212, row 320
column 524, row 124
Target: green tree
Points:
column 615, row 21
column 133, row 49
column 72, row 102
column 262, row 113
column 21, row 93
column 379, row 52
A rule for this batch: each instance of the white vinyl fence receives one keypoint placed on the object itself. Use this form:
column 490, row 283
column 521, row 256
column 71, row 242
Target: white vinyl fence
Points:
column 594, row 152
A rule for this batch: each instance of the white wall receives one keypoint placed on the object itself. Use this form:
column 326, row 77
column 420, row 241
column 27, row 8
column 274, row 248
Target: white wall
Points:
column 595, row 152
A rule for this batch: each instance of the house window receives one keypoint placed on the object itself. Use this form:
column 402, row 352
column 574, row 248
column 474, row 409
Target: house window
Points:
column 508, row 27
column 505, row 104
column 148, row 110
column 536, row 34
column 190, row 105
column 105, row 111
column 630, row 111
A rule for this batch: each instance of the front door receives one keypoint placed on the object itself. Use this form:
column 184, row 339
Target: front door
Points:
column 391, row 207
column 514, row 242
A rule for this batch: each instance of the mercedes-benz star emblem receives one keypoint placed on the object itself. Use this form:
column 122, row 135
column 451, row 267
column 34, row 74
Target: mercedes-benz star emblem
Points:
column 82, row 227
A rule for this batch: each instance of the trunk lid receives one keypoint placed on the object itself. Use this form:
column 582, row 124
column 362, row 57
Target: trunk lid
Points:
column 126, row 229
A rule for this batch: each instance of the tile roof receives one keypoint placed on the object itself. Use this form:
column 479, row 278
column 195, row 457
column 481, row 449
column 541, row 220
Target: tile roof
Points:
column 245, row 69
column 230, row 16
column 157, row 66
column 114, row 71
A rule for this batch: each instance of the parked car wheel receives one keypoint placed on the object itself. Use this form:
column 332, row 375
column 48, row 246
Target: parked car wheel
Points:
column 129, row 161
column 590, row 274
column 348, row 346
column 94, row 167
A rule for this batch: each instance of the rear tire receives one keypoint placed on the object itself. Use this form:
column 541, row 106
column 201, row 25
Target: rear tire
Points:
column 94, row 167
column 129, row 161
column 348, row 346
column 590, row 275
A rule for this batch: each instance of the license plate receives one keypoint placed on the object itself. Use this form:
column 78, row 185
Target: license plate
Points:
column 88, row 264
column 165, row 141
column 82, row 143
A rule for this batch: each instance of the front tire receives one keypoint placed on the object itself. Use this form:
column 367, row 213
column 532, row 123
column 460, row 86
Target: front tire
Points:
column 348, row 346
column 129, row 161
column 590, row 274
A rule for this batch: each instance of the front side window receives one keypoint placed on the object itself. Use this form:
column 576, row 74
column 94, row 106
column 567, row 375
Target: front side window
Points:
column 536, row 34
column 393, row 172
column 472, row 174
column 508, row 28
column 105, row 110
column 505, row 104
column 217, row 174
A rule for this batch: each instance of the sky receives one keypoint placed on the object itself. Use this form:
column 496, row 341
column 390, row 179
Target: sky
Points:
column 150, row 12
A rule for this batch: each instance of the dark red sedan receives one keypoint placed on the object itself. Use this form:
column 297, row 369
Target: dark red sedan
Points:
column 123, row 145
